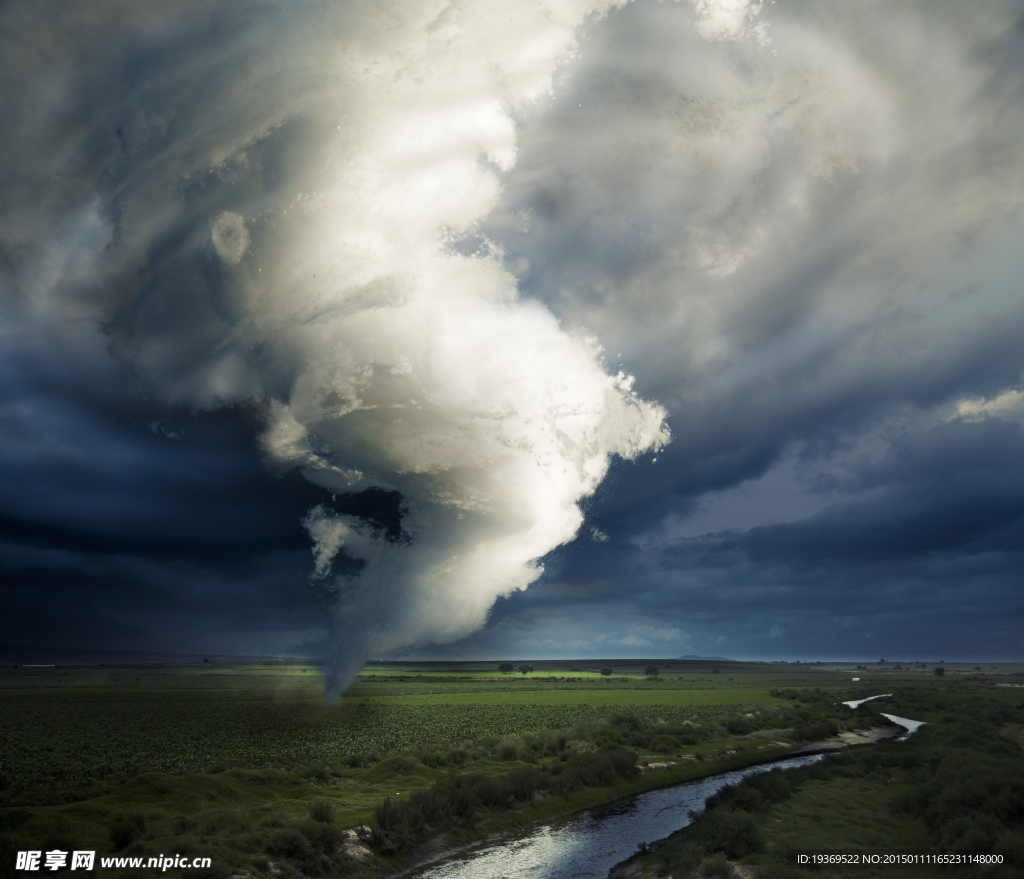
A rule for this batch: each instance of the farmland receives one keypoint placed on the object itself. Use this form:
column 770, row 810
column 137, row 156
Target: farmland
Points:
column 216, row 756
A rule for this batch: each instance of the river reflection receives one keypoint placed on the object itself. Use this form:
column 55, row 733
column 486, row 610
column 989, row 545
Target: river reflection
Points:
column 590, row 844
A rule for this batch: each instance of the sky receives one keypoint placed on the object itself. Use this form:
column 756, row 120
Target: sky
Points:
column 564, row 328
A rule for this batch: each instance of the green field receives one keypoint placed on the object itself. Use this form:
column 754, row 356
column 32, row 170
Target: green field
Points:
column 224, row 758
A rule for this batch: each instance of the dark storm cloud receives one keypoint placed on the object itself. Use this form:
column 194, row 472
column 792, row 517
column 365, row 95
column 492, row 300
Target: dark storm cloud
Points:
column 126, row 523
column 247, row 207
column 806, row 246
column 248, row 250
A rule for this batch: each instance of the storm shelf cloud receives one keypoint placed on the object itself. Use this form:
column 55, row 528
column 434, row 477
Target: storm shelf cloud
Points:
column 571, row 327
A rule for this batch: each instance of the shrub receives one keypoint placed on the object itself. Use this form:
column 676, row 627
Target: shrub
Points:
column 182, row 825
column 815, row 731
column 322, row 838
column 508, row 751
column 390, row 832
column 716, row 867
column 289, row 843
column 223, row 821
column 734, row 833
column 322, row 811
column 129, row 827
column 316, row 771
column 679, row 857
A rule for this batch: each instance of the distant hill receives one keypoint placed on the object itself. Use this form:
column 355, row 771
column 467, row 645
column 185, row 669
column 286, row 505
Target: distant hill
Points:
column 706, row 658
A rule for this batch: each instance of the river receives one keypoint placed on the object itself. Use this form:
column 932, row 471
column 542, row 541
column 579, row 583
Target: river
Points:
column 591, row 843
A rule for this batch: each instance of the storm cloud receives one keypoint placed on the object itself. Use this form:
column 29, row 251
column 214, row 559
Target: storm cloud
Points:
column 368, row 316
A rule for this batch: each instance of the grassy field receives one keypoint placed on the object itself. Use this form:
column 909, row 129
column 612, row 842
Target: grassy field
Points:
column 956, row 787
column 224, row 759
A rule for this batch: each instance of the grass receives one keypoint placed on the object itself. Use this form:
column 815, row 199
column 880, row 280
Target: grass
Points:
column 956, row 787
column 216, row 759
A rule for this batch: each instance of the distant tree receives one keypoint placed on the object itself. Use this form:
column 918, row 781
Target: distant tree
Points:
column 717, row 672
column 606, row 671
column 939, row 671
column 651, row 671
column 525, row 669
column 505, row 667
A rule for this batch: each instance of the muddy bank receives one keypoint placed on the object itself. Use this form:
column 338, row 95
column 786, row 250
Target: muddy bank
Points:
column 851, row 738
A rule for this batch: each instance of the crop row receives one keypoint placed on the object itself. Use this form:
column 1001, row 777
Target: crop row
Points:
column 77, row 742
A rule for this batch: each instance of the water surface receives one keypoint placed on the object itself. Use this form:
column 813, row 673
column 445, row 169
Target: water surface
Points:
column 591, row 843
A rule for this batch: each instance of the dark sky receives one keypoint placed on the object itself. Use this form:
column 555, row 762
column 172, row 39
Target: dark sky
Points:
column 346, row 323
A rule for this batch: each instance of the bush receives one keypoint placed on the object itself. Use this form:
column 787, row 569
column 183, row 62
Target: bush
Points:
column 595, row 769
column 223, row 821
column 1011, row 847
column 606, row 671
column 289, row 843
column 390, row 832
column 322, row 838
column 716, row 867
column 734, row 833
column 322, row 811
column 679, row 857
column 816, row 731
column 508, row 751
column 129, row 827
column 317, row 771
column 182, row 825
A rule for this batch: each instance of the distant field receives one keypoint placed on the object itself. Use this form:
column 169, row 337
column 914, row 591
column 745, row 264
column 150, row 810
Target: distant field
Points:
column 233, row 760
column 68, row 726
column 605, row 696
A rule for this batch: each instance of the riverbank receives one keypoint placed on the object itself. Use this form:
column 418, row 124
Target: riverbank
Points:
column 851, row 739
column 655, row 776
column 905, row 797
column 507, row 825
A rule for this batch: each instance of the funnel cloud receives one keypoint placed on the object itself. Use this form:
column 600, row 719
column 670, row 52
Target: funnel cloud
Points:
column 267, row 208
column 328, row 328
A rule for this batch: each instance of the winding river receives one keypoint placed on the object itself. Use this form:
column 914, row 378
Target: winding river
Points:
column 591, row 843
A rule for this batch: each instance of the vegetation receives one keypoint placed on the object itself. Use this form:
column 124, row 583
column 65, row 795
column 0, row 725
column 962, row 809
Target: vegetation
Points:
column 955, row 787
column 245, row 765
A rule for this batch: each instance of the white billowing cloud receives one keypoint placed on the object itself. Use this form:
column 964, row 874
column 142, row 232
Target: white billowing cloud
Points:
column 1009, row 405
column 284, row 209
column 730, row 20
column 782, row 243
column 230, row 237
